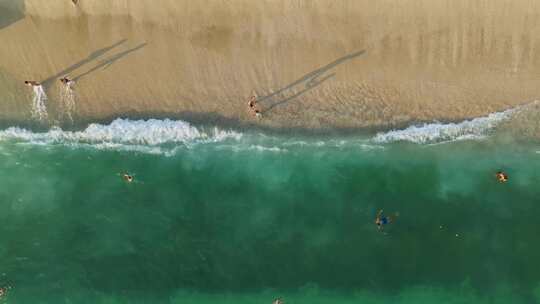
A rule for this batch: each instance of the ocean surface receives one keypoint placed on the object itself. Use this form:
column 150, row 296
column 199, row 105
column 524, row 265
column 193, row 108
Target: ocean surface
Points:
column 226, row 216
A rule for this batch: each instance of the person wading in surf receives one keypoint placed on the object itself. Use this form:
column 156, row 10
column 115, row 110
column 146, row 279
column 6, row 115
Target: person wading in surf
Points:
column 32, row 83
column 252, row 101
column 66, row 81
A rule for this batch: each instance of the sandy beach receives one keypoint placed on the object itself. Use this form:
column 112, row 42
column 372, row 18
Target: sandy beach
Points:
column 312, row 64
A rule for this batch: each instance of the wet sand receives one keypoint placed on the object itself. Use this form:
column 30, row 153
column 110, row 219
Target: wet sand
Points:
column 313, row 64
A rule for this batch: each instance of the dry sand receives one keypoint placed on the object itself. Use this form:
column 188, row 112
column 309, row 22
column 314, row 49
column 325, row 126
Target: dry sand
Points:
column 314, row 64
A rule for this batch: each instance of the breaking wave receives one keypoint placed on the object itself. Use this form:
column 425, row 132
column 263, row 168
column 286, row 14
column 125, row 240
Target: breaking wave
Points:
column 167, row 136
column 124, row 133
column 440, row 132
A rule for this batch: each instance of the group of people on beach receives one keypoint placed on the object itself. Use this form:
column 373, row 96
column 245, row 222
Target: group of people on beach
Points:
column 127, row 177
column 64, row 80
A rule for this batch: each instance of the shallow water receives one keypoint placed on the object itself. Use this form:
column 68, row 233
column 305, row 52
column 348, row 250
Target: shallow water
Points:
column 219, row 216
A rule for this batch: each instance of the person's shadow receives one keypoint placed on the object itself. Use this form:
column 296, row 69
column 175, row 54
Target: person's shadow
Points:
column 94, row 55
column 310, row 81
column 112, row 59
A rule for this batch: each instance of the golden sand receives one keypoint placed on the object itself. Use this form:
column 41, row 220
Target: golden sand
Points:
column 313, row 64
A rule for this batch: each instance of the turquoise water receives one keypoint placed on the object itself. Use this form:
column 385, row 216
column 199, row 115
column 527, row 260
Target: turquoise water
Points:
column 239, row 218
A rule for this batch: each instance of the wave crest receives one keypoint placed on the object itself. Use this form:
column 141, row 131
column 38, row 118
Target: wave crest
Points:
column 150, row 132
column 439, row 132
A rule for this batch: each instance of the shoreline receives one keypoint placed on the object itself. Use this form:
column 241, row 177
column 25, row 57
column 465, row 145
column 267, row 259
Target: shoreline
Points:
column 512, row 123
column 208, row 120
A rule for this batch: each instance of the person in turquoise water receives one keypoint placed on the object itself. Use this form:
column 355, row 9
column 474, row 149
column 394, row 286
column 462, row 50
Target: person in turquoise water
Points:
column 501, row 177
column 127, row 177
column 4, row 291
column 382, row 220
column 278, row 301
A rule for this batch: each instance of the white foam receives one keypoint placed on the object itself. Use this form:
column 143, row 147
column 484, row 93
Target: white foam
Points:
column 438, row 132
column 39, row 109
column 129, row 134
column 260, row 148
column 67, row 100
column 356, row 143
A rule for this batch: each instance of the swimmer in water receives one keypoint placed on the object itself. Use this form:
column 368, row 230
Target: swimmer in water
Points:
column 128, row 178
column 501, row 177
column 278, row 301
column 32, row 83
column 382, row 220
column 4, row 291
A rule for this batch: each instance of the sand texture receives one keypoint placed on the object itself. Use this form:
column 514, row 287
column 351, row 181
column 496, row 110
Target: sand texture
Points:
column 314, row 64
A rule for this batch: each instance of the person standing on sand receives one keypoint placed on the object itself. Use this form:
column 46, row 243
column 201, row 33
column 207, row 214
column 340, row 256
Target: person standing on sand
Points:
column 252, row 104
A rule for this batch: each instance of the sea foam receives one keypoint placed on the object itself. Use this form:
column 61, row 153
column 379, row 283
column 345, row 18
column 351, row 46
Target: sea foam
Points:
column 67, row 100
column 125, row 132
column 166, row 136
column 39, row 100
column 430, row 133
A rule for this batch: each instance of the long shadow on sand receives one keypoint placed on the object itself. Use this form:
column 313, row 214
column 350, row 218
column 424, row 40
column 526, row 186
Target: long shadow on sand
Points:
column 310, row 81
column 94, row 55
column 112, row 59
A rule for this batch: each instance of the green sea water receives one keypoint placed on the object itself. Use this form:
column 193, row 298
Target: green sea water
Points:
column 251, row 220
